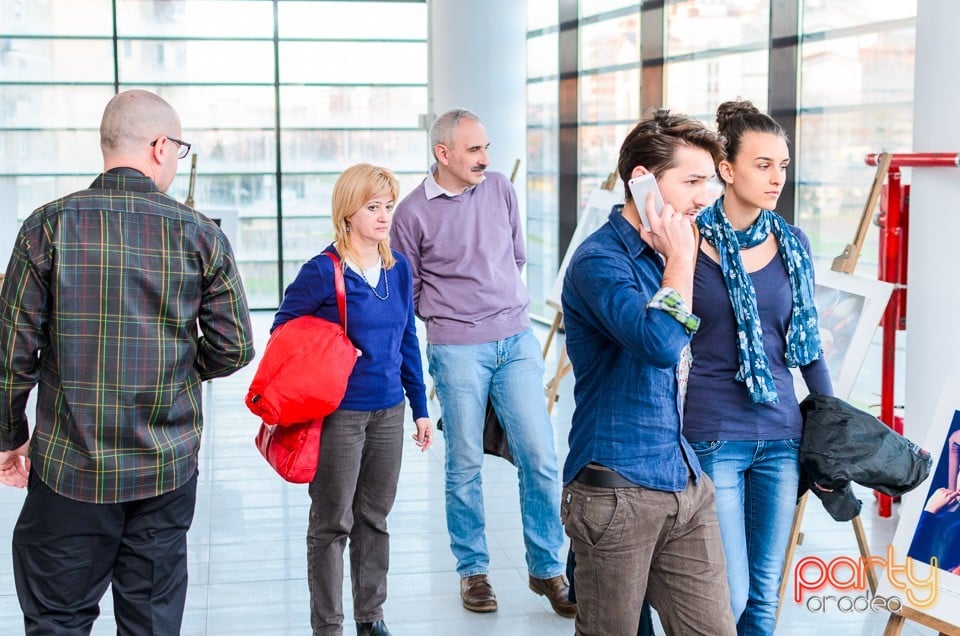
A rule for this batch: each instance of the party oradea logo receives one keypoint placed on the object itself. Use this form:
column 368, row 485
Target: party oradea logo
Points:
column 814, row 579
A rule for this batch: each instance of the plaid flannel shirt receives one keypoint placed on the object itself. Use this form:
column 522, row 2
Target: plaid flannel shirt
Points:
column 119, row 302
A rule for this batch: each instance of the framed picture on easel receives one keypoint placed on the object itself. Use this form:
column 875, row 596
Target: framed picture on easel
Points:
column 849, row 308
column 929, row 529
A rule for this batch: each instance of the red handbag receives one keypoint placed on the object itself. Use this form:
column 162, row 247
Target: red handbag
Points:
column 305, row 367
column 293, row 401
column 293, row 451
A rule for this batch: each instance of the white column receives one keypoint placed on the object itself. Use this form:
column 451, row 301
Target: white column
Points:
column 478, row 62
column 933, row 292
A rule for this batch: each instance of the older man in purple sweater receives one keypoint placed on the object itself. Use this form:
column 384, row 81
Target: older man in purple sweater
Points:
column 460, row 230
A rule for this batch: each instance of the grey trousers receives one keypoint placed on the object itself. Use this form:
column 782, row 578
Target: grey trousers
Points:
column 635, row 543
column 351, row 496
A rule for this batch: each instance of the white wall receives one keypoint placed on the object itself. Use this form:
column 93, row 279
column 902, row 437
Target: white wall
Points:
column 478, row 62
column 933, row 279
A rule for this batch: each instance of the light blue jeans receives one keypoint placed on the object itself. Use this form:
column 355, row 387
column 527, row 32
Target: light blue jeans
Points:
column 510, row 372
column 756, row 484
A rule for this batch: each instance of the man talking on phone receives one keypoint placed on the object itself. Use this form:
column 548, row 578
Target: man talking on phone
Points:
column 639, row 512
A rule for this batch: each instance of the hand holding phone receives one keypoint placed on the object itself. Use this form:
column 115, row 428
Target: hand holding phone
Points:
column 640, row 187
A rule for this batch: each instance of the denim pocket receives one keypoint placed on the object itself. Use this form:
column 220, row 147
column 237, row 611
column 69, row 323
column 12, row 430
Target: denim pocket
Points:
column 793, row 443
column 702, row 449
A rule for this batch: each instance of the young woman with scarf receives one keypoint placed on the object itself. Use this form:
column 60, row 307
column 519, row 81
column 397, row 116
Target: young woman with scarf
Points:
column 753, row 291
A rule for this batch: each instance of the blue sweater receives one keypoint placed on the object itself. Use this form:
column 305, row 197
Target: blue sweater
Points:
column 384, row 330
column 718, row 406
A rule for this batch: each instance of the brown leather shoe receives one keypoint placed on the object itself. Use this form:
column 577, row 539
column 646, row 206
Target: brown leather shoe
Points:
column 557, row 591
column 477, row 594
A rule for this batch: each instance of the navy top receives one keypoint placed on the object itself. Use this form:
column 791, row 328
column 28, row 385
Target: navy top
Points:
column 624, row 355
column 718, row 405
column 383, row 330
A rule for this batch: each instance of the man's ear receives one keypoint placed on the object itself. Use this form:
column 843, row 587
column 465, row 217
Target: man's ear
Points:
column 442, row 153
column 639, row 171
column 159, row 150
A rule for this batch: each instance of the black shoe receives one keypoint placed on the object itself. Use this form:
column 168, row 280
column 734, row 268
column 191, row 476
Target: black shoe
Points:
column 376, row 628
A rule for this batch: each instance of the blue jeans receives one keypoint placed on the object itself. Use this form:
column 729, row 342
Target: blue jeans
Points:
column 756, row 485
column 510, row 372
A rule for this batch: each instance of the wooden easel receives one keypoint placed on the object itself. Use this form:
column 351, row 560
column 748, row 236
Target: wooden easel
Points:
column 193, row 181
column 895, row 622
column 564, row 367
column 847, row 261
column 796, row 539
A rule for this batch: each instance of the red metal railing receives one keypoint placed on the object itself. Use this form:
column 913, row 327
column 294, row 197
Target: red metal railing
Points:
column 894, row 225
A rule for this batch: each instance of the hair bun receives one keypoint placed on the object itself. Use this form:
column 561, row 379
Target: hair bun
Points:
column 734, row 109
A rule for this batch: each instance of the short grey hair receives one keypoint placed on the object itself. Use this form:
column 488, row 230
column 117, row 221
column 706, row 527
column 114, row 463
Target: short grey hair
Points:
column 134, row 118
column 441, row 131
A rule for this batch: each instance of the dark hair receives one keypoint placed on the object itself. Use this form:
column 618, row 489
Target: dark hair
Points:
column 740, row 116
column 654, row 140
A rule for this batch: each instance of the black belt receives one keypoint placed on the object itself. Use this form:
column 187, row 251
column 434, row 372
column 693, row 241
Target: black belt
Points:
column 603, row 478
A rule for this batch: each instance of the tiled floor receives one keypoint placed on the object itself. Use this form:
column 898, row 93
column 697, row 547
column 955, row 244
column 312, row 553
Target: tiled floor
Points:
column 247, row 547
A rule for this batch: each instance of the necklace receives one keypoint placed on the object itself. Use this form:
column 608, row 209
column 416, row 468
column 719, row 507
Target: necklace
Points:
column 373, row 285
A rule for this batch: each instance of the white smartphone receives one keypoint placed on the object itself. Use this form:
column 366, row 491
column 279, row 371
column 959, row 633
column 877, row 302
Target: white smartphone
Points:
column 640, row 187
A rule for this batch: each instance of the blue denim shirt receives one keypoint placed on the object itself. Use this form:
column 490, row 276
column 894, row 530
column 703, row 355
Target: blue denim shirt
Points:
column 625, row 354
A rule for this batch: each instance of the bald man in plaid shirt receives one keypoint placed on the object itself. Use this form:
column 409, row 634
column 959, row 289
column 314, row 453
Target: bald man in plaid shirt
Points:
column 119, row 302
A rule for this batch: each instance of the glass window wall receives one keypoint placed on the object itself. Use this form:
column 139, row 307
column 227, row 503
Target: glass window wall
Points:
column 543, row 153
column 270, row 132
column 856, row 97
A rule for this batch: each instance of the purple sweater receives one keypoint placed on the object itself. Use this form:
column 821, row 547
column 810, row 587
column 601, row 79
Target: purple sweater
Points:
column 466, row 253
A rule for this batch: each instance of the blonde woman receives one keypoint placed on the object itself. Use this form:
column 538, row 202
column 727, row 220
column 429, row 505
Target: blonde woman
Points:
column 360, row 449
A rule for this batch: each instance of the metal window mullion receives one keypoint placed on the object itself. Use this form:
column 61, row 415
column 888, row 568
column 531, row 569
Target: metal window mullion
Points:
column 783, row 81
column 652, row 37
column 116, row 52
column 279, row 167
column 568, row 101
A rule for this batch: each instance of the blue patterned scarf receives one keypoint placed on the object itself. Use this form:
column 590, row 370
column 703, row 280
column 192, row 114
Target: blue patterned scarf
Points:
column 803, row 335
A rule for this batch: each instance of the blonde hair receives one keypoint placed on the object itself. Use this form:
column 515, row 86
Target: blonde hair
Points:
column 354, row 187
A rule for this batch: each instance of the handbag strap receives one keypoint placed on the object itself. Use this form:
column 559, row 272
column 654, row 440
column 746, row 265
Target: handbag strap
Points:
column 341, row 289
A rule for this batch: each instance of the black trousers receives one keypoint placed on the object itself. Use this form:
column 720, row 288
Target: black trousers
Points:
column 66, row 553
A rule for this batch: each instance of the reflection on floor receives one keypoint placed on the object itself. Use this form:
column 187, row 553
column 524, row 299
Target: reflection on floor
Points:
column 247, row 547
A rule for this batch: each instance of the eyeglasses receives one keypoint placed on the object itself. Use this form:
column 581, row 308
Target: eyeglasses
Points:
column 184, row 147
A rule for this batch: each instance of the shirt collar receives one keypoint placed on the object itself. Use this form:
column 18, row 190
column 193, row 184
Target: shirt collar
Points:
column 434, row 189
column 125, row 179
column 627, row 233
